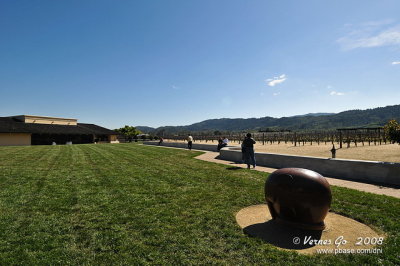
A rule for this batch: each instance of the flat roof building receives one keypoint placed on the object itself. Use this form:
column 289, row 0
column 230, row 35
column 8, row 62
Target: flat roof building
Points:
column 44, row 130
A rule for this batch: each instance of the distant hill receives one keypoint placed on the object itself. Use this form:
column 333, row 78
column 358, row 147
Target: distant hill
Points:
column 145, row 129
column 313, row 114
column 316, row 121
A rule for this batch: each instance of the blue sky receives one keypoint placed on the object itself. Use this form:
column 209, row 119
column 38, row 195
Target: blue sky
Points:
column 164, row 62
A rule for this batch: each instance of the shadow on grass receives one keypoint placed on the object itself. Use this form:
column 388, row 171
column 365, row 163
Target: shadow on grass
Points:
column 283, row 236
column 234, row 168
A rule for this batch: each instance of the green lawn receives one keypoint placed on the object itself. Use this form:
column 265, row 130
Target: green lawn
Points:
column 129, row 204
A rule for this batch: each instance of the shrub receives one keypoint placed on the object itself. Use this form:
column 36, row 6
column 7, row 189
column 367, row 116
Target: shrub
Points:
column 392, row 130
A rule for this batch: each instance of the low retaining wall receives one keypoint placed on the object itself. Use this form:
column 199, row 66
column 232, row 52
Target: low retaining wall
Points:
column 364, row 171
column 195, row 146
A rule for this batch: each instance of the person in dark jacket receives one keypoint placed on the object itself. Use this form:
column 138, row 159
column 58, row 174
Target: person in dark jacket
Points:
column 220, row 141
column 248, row 148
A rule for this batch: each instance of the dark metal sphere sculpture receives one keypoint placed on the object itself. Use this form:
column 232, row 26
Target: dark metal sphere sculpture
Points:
column 298, row 197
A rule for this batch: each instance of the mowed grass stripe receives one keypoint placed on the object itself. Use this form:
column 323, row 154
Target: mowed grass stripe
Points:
column 9, row 152
column 133, row 204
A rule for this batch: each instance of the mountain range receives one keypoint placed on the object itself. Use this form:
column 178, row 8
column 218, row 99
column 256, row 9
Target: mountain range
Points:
column 313, row 121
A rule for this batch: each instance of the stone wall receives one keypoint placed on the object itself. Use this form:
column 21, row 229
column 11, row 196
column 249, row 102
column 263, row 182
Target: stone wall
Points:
column 358, row 170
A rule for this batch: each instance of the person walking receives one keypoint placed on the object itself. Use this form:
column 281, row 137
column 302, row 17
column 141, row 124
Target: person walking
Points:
column 190, row 141
column 248, row 148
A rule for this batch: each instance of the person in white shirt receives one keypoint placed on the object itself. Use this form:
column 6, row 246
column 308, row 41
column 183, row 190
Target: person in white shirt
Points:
column 222, row 143
column 190, row 141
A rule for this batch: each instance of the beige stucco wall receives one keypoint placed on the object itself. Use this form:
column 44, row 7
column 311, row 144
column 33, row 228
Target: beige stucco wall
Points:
column 113, row 139
column 47, row 120
column 15, row 139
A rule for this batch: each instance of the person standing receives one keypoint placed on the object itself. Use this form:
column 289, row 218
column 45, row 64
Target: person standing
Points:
column 190, row 141
column 220, row 141
column 248, row 148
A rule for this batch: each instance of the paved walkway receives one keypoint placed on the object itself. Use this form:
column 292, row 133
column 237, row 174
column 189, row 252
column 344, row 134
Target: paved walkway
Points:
column 376, row 189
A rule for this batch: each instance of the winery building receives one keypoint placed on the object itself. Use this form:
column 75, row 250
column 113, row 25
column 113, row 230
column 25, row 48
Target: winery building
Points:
column 42, row 130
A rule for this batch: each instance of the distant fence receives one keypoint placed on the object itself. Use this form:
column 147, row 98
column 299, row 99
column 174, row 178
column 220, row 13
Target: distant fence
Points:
column 341, row 137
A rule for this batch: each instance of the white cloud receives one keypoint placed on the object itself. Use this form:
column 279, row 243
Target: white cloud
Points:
column 174, row 87
column 371, row 34
column 276, row 80
column 276, row 93
column 336, row 93
column 378, row 23
column 396, row 63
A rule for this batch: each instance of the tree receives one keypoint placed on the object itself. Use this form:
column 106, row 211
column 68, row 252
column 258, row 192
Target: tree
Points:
column 160, row 132
column 392, row 129
column 129, row 132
